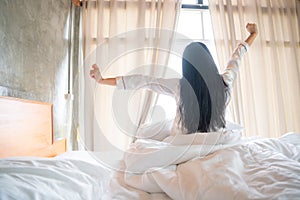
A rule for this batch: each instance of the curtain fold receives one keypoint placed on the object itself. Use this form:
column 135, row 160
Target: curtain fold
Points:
column 267, row 93
column 122, row 37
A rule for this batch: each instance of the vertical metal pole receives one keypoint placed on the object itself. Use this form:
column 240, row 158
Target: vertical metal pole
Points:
column 70, row 47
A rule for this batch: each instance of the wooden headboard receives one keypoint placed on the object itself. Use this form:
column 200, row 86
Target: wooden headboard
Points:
column 26, row 129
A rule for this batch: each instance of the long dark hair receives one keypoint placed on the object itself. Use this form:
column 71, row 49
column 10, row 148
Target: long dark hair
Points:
column 203, row 92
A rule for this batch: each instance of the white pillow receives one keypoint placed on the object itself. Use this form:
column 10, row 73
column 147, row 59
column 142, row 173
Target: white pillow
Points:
column 230, row 134
column 157, row 131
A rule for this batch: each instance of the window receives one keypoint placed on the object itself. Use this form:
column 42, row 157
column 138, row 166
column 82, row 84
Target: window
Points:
column 194, row 23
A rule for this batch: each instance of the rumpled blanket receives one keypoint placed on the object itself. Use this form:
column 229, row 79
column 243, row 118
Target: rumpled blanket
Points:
column 216, row 166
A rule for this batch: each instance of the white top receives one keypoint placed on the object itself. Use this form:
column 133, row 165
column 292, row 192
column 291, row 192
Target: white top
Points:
column 171, row 87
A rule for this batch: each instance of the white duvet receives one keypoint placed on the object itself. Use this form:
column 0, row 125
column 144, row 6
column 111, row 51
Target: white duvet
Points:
column 191, row 167
column 231, row 169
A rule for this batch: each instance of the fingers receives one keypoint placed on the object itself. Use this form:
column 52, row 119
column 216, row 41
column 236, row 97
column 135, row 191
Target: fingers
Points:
column 251, row 28
column 94, row 66
column 92, row 74
column 249, row 25
column 95, row 73
column 94, row 70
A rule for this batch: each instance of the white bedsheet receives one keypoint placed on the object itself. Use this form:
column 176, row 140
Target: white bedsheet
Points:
column 75, row 175
column 51, row 178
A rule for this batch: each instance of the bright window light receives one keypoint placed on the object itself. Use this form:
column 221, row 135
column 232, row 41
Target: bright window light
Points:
column 190, row 23
column 189, row 1
column 204, row 2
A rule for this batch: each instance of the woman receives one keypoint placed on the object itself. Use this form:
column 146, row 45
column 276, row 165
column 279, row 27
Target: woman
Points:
column 202, row 94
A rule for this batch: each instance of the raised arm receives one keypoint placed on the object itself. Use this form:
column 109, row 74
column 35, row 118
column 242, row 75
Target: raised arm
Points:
column 252, row 29
column 232, row 68
column 134, row 82
column 95, row 74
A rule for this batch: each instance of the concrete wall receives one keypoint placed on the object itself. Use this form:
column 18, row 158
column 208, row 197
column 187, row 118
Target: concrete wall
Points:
column 34, row 54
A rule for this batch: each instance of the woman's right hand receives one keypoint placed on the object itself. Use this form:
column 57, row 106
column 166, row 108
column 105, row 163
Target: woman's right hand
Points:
column 95, row 73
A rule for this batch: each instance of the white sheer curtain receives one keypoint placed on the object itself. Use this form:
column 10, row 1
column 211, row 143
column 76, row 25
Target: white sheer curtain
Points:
column 266, row 98
column 123, row 37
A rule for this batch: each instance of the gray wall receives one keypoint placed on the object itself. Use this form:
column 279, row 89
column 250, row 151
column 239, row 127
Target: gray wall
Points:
column 34, row 54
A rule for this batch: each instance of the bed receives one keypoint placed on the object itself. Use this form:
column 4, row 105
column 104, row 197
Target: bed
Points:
column 199, row 166
column 26, row 129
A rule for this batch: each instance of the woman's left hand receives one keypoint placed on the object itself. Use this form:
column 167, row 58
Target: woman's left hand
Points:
column 252, row 28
